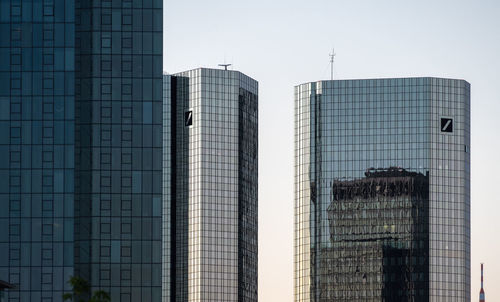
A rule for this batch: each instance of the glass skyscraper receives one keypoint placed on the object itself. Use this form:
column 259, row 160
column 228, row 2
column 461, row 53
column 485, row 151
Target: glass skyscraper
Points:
column 210, row 186
column 382, row 190
column 80, row 147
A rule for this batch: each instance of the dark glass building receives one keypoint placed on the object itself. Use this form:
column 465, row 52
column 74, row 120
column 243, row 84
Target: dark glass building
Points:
column 80, row 147
column 210, row 186
column 382, row 190
column 37, row 147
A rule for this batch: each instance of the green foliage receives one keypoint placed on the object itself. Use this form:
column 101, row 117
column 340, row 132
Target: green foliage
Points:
column 100, row 296
column 81, row 290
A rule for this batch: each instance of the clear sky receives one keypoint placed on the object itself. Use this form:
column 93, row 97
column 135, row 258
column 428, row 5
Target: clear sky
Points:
column 285, row 43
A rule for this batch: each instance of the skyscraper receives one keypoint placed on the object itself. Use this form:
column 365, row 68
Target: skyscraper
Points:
column 382, row 190
column 80, row 147
column 210, row 186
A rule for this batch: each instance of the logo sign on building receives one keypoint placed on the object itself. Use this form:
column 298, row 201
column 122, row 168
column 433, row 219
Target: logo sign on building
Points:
column 446, row 125
column 188, row 118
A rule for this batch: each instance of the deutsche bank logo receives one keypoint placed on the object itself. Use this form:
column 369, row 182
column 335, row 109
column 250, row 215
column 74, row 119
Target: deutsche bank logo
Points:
column 188, row 118
column 446, row 125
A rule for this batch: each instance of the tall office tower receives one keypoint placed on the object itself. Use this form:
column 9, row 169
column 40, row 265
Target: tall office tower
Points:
column 37, row 170
column 382, row 190
column 80, row 147
column 119, row 147
column 210, row 186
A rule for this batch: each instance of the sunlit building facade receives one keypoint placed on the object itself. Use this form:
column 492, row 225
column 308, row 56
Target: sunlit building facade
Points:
column 210, row 163
column 382, row 190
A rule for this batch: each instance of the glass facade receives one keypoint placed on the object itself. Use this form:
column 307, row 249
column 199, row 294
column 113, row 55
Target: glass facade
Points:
column 81, row 147
column 37, row 167
column 119, row 147
column 210, row 186
column 382, row 190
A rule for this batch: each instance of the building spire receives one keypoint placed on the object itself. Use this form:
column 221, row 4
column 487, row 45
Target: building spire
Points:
column 481, row 292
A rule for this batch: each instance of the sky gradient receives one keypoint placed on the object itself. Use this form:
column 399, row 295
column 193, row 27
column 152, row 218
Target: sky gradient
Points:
column 285, row 43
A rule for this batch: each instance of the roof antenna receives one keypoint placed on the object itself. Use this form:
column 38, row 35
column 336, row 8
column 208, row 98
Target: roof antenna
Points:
column 225, row 66
column 481, row 292
column 332, row 58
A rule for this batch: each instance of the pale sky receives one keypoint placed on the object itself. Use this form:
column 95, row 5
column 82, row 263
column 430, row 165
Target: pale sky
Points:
column 285, row 43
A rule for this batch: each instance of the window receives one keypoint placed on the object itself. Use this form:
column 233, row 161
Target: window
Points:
column 105, row 228
column 14, row 229
column 126, row 135
column 47, row 181
column 105, row 65
column 15, row 83
column 106, row 40
column 127, row 42
column 48, row 10
column 15, row 108
column 106, row 89
column 106, row 108
column 105, row 273
column 14, row 254
column 48, row 59
column 15, row 156
column 15, row 205
column 126, row 204
column 105, row 134
column 127, row 20
column 106, row 19
column 126, row 181
column 126, row 251
column 48, row 34
column 105, row 252
column 105, row 158
column 15, row 34
column 126, row 228
column 127, row 158
column 47, row 229
column 46, row 278
column 47, row 205
column 127, row 90
column 105, row 204
column 15, row 59
column 47, row 254
column 48, row 83
column 48, row 107
column 15, row 180
column 48, row 132
column 126, row 112
column 15, row 10
column 15, row 132
column 126, row 65
column 125, row 274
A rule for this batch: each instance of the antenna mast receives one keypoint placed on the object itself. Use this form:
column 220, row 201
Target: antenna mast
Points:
column 225, row 66
column 481, row 292
column 332, row 58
